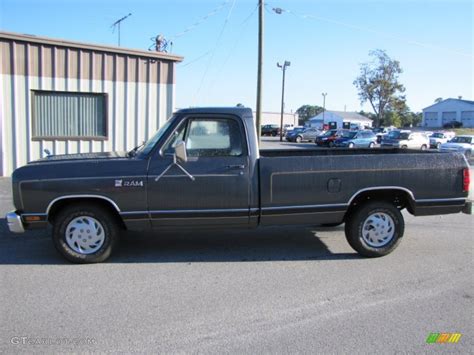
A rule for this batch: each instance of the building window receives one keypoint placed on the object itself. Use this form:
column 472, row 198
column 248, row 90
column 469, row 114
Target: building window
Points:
column 69, row 115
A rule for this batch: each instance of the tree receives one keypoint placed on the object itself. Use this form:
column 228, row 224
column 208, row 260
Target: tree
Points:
column 305, row 112
column 438, row 100
column 378, row 84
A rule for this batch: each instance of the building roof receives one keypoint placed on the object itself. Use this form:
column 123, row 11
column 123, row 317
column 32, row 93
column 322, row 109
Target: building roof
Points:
column 93, row 47
column 469, row 102
column 345, row 116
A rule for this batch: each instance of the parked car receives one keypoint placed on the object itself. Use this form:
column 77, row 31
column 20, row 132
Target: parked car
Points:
column 453, row 124
column 381, row 132
column 183, row 181
column 308, row 134
column 271, row 130
column 462, row 144
column 438, row 138
column 327, row 139
column 406, row 139
column 357, row 139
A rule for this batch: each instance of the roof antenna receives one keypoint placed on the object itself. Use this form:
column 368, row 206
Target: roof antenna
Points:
column 117, row 24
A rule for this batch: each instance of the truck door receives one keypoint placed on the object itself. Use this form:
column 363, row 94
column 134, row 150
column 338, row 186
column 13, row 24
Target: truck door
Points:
column 212, row 187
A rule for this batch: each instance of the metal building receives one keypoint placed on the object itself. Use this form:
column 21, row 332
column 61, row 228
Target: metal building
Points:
column 69, row 97
column 449, row 111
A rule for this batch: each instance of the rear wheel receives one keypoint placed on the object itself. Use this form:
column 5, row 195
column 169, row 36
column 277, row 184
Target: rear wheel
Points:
column 438, row 145
column 375, row 229
column 424, row 147
column 404, row 147
column 371, row 145
column 299, row 139
column 85, row 233
column 331, row 144
column 351, row 145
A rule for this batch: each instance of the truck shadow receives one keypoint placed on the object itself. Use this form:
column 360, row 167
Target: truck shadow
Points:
column 269, row 244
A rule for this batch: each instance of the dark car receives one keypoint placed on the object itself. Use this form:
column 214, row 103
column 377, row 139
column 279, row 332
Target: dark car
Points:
column 453, row 124
column 271, row 130
column 357, row 139
column 327, row 139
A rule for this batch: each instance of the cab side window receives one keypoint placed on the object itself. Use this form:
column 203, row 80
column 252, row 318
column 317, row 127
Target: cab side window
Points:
column 213, row 137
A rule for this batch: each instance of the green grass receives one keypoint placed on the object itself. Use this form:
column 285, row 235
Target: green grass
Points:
column 461, row 131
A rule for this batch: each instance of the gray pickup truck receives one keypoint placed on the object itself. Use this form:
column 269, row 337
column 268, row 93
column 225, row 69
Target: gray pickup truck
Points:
column 203, row 169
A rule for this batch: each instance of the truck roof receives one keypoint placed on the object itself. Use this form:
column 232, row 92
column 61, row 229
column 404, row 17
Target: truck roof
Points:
column 239, row 111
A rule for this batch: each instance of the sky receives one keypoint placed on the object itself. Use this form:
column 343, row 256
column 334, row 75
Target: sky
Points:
column 325, row 41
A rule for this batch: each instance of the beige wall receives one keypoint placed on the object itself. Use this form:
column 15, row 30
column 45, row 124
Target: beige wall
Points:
column 140, row 96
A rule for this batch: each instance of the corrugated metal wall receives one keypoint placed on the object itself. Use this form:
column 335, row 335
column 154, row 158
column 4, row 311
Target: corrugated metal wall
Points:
column 139, row 90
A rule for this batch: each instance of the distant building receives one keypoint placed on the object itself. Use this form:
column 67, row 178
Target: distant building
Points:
column 354, row 119
column 275, row 117
column 70, row 97
column 449, row 110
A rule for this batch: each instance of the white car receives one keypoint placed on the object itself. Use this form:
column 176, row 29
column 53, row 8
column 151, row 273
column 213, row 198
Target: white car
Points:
column 406, row 139
column 461, row 144
column 438, row 138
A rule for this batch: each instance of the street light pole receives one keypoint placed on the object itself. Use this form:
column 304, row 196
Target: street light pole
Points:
column 283, row 68
column 258, row 118
column 324, row 104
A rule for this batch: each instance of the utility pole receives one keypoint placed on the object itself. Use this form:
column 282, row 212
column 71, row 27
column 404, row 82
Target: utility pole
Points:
column 283, row 68
column 117, row 24
column 258, row 120
column 324, row 104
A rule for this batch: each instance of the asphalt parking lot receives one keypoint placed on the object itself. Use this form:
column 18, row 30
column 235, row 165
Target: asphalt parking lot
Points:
column 278, row 290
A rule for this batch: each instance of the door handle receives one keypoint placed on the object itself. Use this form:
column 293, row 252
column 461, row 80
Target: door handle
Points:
column 241, row 167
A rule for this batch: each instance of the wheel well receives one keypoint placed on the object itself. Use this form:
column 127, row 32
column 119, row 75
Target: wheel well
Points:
column 400, row 198
column 66, row 202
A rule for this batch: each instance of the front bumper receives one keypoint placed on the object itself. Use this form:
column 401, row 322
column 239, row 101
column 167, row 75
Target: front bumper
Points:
column 15, row 224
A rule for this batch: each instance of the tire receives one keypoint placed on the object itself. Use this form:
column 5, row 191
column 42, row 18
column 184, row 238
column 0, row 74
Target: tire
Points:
column 104, row 233
column 404, row 147
column 298, row 139
column 372, row 145
column 274, row 134
column 351, row 145
column 367, row 218
column 424, row 147
column 438, row 146
column 331, row 144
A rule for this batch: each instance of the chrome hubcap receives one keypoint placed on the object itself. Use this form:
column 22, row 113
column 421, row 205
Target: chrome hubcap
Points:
column 378, row 230
column 85, row 235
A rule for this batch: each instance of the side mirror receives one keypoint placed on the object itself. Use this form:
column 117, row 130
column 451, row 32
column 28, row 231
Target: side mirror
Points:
column 180, row 151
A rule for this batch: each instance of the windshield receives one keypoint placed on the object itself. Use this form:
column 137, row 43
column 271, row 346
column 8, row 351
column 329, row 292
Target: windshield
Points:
column 329, row 133
column 150, row 143
column 349, row 135
column 298, row 129
column 397, row 135
column 467, row 140
column 437, row 135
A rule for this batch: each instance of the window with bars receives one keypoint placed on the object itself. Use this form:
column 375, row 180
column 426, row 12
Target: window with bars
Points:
column 69, row 115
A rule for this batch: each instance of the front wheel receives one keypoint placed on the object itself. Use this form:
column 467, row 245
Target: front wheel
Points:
column 375, row 229
column 331, row 144
column 438, row 146
column 351, row 145
column 299, row 139
column 371, row 145
column 424, row 147
column 85, row 233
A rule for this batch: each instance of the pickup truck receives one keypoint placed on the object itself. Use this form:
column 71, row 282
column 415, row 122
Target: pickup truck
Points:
column 204, row 169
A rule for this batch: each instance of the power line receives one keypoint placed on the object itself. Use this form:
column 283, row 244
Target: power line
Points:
column 201, row 20
column 218, row 42
column 279, row 10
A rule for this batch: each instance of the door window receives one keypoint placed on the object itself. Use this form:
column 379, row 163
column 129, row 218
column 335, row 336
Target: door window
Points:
column 214, row 137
